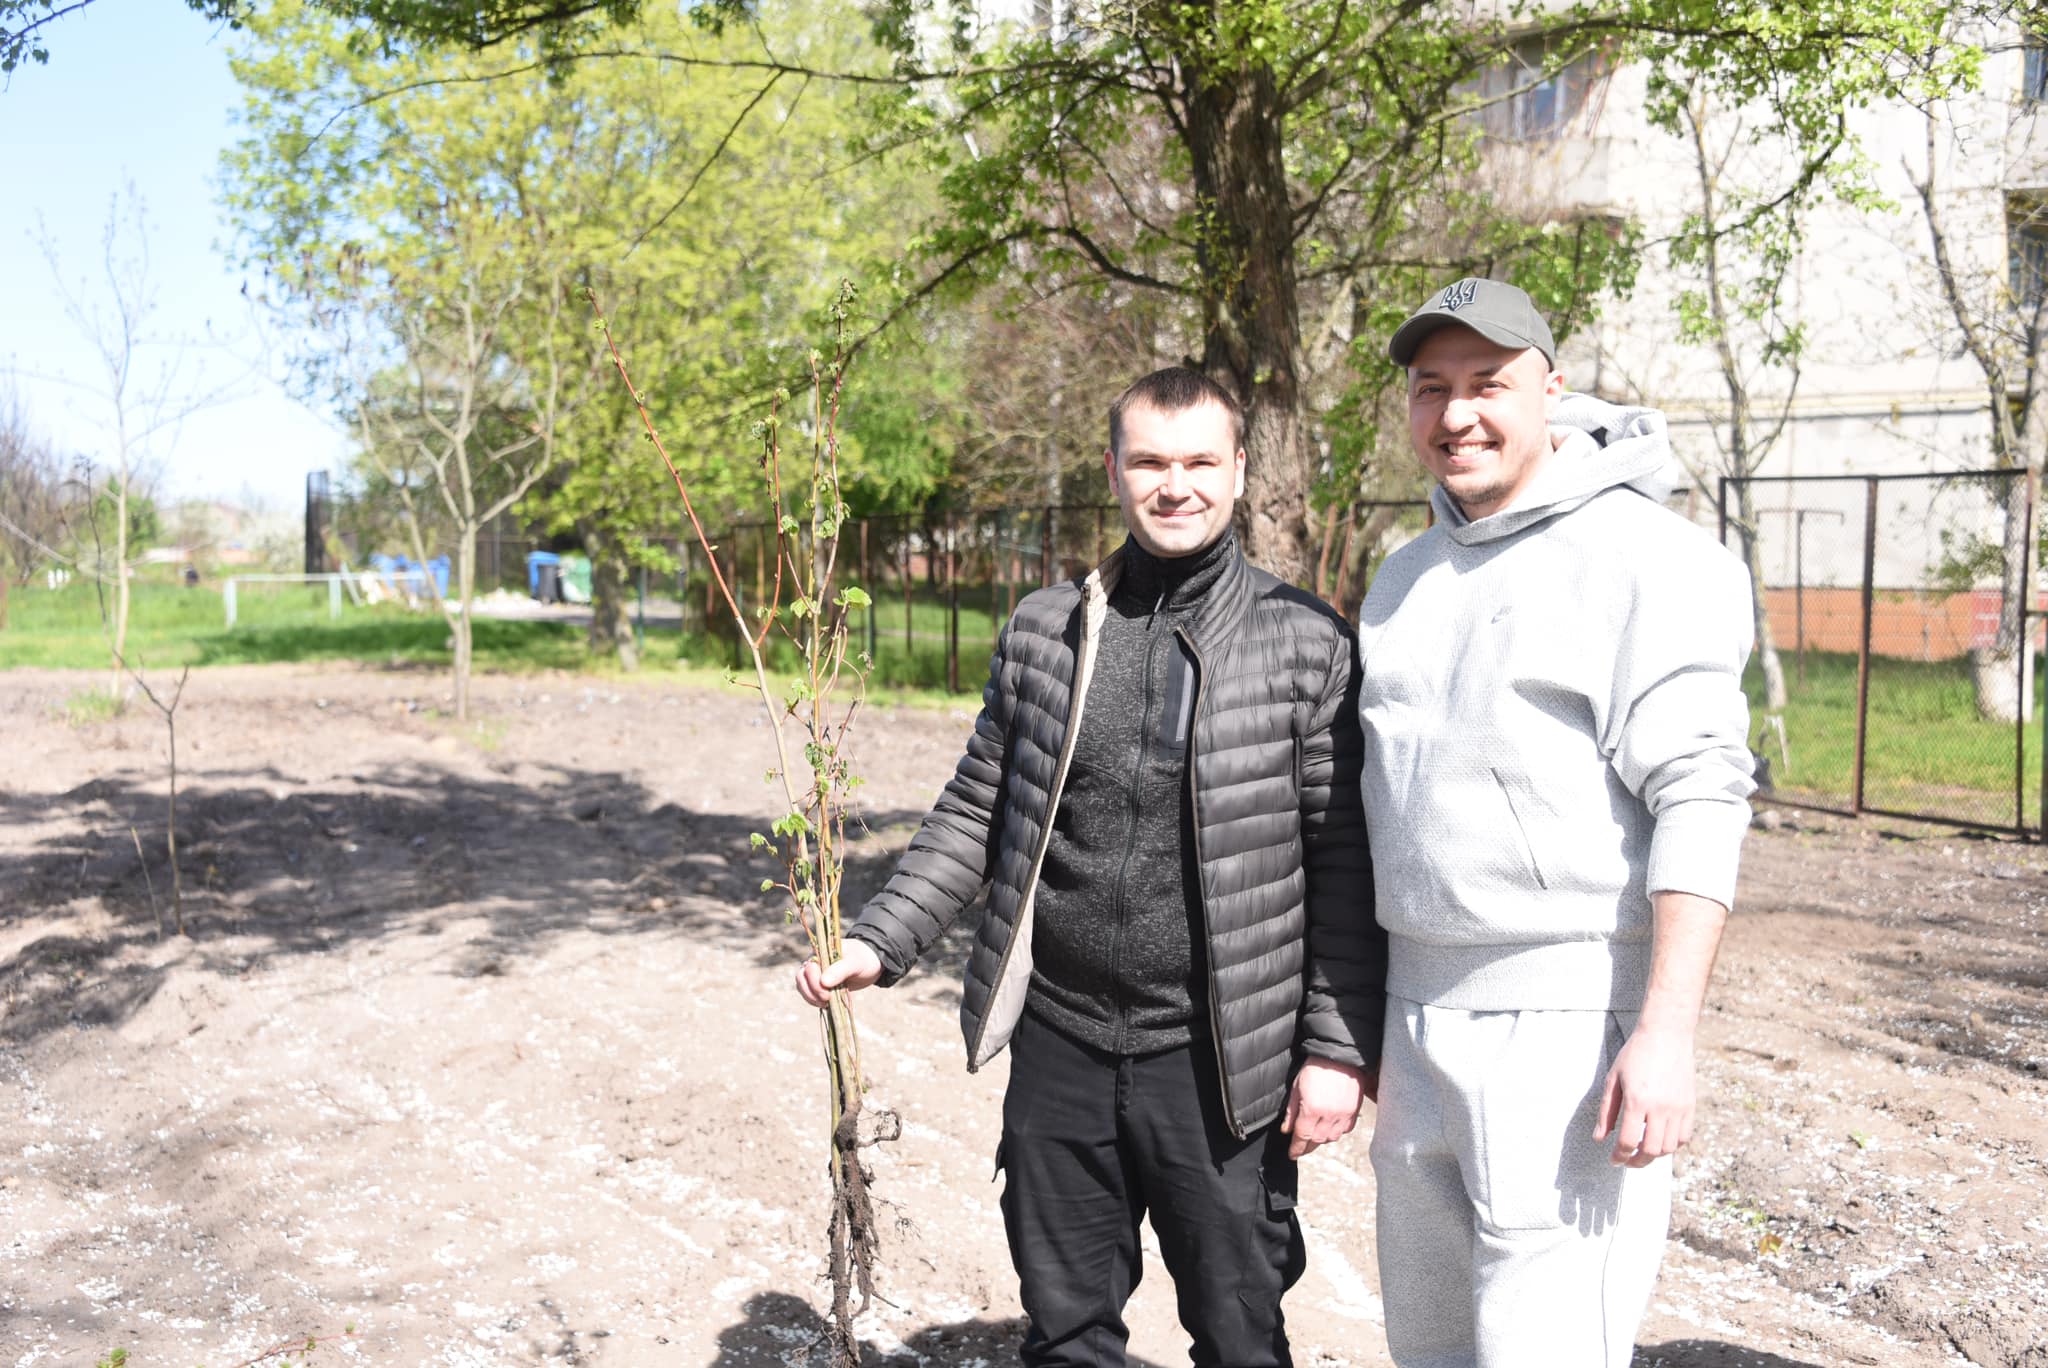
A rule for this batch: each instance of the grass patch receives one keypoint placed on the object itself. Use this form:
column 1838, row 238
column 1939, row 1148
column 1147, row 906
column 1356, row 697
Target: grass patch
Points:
column 171, row 626
column 1927, row 751
column 89, row 706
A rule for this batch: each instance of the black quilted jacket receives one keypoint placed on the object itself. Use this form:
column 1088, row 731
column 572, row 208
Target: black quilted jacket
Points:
column 1297, row 964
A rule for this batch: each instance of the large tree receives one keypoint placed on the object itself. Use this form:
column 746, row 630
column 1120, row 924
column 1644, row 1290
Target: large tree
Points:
column 707, row 211
column 439, row 287
column 1315, row 156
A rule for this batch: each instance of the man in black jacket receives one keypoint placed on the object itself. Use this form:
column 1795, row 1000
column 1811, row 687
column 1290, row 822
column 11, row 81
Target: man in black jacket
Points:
column 1161, row 794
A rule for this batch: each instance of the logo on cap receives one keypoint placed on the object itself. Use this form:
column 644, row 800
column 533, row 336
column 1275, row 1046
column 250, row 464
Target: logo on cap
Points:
column 1456, row 297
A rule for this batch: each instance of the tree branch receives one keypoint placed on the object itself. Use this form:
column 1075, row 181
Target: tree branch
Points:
column 724, row 140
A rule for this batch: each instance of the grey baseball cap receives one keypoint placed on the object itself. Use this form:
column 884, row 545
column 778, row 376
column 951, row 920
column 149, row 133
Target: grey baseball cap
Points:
column 1495, row 310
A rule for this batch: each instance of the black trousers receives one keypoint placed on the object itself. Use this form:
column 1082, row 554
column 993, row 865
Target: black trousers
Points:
column 1093, row 1143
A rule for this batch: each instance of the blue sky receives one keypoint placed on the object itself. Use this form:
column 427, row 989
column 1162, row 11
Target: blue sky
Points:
column 139, row 91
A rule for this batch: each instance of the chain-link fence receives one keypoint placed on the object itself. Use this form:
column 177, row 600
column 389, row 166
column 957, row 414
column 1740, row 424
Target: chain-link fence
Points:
column 1904, row 652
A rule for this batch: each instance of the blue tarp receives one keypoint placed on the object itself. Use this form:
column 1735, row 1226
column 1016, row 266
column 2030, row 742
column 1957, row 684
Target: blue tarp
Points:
column 403, row 575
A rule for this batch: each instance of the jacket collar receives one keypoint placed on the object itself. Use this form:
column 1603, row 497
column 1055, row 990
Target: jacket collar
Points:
column 1211, row 619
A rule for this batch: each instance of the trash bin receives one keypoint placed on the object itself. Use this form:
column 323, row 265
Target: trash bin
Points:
column 576, row 578
column 544, row 576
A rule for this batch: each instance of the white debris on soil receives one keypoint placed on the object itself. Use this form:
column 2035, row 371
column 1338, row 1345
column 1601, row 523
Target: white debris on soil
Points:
column 446, row 1075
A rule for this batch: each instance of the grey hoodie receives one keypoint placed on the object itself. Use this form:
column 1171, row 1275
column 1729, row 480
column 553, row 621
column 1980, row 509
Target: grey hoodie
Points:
column 1554, row 728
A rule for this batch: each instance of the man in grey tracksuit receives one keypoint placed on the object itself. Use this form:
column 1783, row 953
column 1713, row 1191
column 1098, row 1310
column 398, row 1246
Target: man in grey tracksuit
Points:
column 1161, row 794
column 1555, row 783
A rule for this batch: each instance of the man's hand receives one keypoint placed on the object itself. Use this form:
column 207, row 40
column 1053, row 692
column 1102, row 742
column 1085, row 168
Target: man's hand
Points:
column 1322, row 1105
column 1647, row 1105
column 857, row 967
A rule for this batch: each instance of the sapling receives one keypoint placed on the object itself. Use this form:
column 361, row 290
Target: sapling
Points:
column 169, row 712
column 813, row 715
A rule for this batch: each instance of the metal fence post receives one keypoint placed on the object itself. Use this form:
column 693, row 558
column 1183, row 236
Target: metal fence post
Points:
column 952, row 609
column 867, row 583
column 2025, row 696
column 227, row 598
column 1013, row 571
column 1863, row 643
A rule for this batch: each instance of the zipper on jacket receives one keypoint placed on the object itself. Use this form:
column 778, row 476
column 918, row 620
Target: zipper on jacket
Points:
column 1202, row 882
column 1076, row 701
column 1135, row 803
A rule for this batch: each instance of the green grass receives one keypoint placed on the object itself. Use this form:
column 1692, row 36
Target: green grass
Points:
column 88, row 706
column 1927, row 751
column 171, row 626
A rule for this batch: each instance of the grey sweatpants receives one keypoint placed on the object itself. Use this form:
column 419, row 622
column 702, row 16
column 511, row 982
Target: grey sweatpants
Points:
column 1507, row 1238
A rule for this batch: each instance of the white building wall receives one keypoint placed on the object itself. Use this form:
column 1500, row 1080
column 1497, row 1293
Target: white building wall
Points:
column 1885, row 386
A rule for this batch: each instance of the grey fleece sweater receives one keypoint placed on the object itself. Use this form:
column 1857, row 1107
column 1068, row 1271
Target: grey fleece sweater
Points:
column 1554, row 728
column 1117, row 940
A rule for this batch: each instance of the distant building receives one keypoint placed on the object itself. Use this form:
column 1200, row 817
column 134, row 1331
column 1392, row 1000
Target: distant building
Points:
column 1884, row 384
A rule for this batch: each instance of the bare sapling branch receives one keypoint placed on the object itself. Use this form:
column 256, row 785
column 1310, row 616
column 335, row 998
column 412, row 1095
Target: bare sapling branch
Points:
column 148, row 883
column 813, row 713
column 169, row 711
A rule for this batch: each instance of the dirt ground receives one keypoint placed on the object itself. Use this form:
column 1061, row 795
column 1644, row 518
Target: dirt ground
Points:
column 482, row 1044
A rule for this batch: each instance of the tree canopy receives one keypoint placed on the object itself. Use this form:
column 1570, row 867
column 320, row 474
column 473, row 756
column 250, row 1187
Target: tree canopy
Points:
column 1285, row 177
column 1270, row 184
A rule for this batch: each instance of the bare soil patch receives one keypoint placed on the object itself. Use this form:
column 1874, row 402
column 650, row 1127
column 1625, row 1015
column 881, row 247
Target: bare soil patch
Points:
column 483, row 1045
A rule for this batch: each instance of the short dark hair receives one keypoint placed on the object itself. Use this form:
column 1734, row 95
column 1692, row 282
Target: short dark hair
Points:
column 1175, row 390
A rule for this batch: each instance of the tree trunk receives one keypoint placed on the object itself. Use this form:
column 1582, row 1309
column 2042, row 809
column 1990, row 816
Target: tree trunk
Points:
column 1327, row 543
column 611, row 617
column 2003, row 672
column 1251, row 318
column 120, row 623
column 2015, row 581
column 1768, row 661
column 459, row 622
column 1352, row 576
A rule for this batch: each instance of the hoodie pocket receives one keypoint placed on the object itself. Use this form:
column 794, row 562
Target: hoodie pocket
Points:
column 1516, row 818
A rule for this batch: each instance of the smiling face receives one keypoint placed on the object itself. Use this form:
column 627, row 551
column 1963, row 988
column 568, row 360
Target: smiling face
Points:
column 1479, row 415
column 1178, row 476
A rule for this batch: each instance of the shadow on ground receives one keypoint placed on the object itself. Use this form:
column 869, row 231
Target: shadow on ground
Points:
column 271, row 868
column 1700, row 1353
column 777, row 1323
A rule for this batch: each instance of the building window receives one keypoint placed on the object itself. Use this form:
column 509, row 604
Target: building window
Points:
column 2027, row 238
column 1532, row 97
column 2034, row 79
